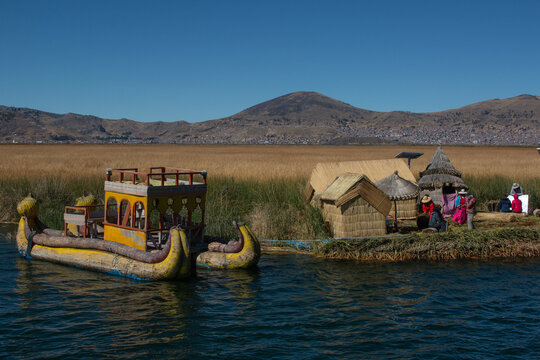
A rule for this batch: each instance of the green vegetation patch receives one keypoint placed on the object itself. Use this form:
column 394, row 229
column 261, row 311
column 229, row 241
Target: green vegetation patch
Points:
column 275, row 209
column 455, row 244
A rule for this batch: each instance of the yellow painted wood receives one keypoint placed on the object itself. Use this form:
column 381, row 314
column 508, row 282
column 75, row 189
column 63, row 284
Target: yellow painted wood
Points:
column 135, row 239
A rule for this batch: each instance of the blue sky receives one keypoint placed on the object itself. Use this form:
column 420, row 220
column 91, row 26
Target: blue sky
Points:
column 201, row 60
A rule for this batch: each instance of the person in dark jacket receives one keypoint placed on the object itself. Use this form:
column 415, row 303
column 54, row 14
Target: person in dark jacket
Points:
column 504, row 205
column 436, row 220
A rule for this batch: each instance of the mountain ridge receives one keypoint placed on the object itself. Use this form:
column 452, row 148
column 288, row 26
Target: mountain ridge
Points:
column 304, row 117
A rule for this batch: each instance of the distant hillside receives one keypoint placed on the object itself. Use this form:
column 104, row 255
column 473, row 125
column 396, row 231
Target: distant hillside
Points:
column 297, row 118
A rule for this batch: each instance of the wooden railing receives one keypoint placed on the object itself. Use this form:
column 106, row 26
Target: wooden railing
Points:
column 81, row 216
column 163, row 173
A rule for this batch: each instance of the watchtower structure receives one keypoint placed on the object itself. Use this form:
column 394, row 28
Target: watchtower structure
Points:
column 141, row 207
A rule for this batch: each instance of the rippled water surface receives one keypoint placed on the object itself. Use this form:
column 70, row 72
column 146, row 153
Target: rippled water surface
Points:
column 291, row 306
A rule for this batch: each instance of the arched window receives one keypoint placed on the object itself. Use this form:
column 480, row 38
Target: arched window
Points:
column 125, row 213
column 140, row 216
column 111, row 212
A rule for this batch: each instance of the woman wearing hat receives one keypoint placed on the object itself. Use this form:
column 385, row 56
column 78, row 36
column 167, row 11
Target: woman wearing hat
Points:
column 427, row 204
column 460, row 215
column 516, row 189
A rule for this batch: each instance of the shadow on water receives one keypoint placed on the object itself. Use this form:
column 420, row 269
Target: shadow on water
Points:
column 291, row 306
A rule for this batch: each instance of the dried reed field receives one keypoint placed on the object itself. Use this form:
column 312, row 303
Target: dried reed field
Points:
column 252, row 162
column 262, row 185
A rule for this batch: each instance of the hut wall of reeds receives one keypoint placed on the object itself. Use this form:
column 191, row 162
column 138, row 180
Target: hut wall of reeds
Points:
column 440, row 177
column 353, row 206
column 402, row 193
column 356, row 218
column 406, row 209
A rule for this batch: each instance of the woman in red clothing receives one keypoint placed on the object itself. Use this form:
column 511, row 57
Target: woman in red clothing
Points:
column 427, row 204
column 516, row 204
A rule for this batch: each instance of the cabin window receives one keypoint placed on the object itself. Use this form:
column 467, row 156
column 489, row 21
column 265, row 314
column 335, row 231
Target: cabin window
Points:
column 183, row 215
column 170, row 216
column 125, row 213
column 140, row 218
column 155, row 219
column 112, row 211
column 197, row 216
column 154, row 216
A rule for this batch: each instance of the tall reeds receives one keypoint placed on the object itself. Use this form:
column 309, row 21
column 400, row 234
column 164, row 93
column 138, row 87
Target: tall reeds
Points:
column 262, row 185
column 274, row 209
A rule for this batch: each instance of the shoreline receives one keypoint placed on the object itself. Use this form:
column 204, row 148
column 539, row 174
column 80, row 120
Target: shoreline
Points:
column 458, row 244
column 454, row 245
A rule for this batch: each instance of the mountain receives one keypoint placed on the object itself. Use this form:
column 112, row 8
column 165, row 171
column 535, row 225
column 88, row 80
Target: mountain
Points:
column 296, row 118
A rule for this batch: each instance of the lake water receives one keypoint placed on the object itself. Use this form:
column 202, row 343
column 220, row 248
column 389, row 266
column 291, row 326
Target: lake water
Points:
column 290, row 307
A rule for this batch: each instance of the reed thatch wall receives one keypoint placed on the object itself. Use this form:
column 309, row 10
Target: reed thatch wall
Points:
column 406, row 209
column 435, row 195
column 354, row 218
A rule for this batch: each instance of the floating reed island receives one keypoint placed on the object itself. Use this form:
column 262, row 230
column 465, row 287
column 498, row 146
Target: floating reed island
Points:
column 457, row 244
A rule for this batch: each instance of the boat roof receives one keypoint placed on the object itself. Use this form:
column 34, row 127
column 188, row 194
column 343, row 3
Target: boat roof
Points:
column 156, row 181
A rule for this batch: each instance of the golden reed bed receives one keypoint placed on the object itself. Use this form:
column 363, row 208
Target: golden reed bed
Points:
column 249, row 161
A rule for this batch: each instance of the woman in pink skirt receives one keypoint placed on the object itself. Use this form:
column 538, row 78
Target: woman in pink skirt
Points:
column 460, row 215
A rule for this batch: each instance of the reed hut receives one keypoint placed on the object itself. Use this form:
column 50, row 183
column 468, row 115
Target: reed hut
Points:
column 440, row 177
column 402, row 193
column 325, row 173
column 354, row 206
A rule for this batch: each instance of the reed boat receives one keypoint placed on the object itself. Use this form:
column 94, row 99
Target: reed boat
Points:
column 150, row 227
column 241, row 254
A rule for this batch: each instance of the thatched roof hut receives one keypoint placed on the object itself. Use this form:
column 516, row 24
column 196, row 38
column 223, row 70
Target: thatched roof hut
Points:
column 402, row 193
column 325, row 173
column 354, row 206
column 440, row 177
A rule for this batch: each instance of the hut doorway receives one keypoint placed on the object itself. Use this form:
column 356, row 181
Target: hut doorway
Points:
column 448, row 189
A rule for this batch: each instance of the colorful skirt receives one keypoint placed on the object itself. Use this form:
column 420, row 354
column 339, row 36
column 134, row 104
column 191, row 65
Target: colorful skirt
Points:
column 460, row 215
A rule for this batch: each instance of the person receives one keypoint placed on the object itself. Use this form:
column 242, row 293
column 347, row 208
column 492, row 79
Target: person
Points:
column 516, row 189
column 471, row 205
column 460, row 216
column 436, row 220
column 505, row 205
column 516, row 204
column 427, row 204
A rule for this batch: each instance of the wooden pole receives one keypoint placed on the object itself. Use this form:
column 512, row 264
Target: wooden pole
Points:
column 395, row 211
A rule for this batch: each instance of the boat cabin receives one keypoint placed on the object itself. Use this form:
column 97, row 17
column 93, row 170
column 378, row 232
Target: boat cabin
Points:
column 141, row 207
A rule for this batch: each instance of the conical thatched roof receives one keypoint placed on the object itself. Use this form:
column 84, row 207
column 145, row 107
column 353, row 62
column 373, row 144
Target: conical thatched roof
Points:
column 397, row 188
column 440, row 164
column 440, row 172
column 434, row 181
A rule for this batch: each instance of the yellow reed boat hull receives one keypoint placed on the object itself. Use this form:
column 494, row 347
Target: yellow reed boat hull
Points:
column 176, row 264
column 247, row 257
